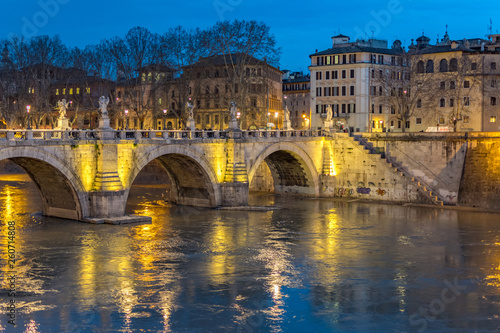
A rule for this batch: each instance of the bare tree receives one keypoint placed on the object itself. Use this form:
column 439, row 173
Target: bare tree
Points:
column 405, row 86
column 455, row 84
column 140, row 48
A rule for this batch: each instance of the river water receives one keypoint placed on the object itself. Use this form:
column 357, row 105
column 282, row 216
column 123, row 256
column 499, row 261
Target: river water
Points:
column 314, row 266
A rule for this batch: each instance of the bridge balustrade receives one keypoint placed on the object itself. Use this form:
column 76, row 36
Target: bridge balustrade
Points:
column 41, row 135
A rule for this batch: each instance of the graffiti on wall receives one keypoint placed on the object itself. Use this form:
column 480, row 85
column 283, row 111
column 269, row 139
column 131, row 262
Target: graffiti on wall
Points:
column 364, row 190
column 343, row 192
column 381, row 192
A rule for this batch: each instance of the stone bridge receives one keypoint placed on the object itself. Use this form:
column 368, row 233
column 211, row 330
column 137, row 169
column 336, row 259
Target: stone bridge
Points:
column 87, row 175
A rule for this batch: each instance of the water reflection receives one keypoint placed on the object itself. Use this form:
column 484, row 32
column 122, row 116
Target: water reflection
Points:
column 316, row 265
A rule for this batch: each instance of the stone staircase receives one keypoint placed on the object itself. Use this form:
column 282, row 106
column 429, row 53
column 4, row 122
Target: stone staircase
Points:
column 432, row 196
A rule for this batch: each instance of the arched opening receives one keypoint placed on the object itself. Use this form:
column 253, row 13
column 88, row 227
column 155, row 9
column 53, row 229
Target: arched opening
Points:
column 453, row 65
column 443, row 66
column 178, row 179
column 420, row 67
column 57, row 193
column 283, row 172
column 430, row 66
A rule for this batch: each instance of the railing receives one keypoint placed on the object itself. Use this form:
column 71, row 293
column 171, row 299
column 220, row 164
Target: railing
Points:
column 54, row 135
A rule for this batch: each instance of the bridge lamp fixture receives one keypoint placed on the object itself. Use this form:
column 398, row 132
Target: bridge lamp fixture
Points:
column 165, row 111
column 238, row 115
column 28, row 108
column 276, row 115
column 126, row 112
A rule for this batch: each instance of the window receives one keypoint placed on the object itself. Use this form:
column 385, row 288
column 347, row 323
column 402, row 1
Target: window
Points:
column 344, row 59
column 493, row 119
column 318, row 92
column 335, row 75
column 407, row 124
column 352, row 90
column 442, row 85
column 327, row 75
column 380, row 109
column 473, row 66
column 493, row 101
column 452, row 102
column 443, row 65
column 373, row 90
column 318, row 75
column 493, row 65
column 418, row 121
column 343, row 108
column 466, row 84
column 344, row 91
column 453, row 65
column 159, row 101
column 419, row 103
column 373, row 108
column 493, row 83
column 466, row 119
column 466, row 101
column 442, row 103
column 352, row 73
column 78, row 91
column 452, row 84
column 336, row 60
column 430, row 66
column 441, row 121
column 344, row 73
column 87, row 90
column 420, row 67
column 63, row 91
column 57, row 91
column 393, row 110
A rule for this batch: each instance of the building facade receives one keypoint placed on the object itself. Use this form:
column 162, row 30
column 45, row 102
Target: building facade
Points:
column 297, row 98
column 341, row 79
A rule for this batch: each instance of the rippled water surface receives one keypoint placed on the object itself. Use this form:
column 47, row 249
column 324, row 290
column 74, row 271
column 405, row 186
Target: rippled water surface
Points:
column 314, row 266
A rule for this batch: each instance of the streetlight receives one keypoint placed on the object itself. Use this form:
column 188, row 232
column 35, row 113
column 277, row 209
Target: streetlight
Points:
column 28, row 108
column 164, row 115
column 126, row 119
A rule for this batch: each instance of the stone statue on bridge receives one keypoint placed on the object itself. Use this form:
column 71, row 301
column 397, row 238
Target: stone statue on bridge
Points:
column 104, row 123
column 329, row 112
column 189, row 109
column 233, row 120
column 190, row 124
column 233, row 111
column 287, row 124
column 63, row 106
column 103, row 106
column 328, row 120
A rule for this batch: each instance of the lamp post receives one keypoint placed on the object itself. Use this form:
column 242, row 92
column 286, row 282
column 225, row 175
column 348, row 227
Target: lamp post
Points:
column 164, row 120
column 126, row 119
column 28, row 108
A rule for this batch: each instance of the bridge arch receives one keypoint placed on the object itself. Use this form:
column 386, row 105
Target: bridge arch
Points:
column 63, row 194
column 193, row 179
column 291, row 167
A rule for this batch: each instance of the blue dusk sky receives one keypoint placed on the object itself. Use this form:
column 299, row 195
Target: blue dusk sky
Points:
column 300, row 27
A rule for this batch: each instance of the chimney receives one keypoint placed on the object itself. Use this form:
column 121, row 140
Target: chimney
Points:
column 454, row 45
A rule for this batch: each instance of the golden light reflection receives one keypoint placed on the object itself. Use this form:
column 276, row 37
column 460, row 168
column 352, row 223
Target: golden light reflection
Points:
column 32, row 327
column 221, row 265
column 493, row 280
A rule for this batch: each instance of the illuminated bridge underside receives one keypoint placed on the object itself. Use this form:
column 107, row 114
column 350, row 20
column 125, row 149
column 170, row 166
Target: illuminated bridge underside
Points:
column 58, row 196
column 190, row 183
column 289, row 173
